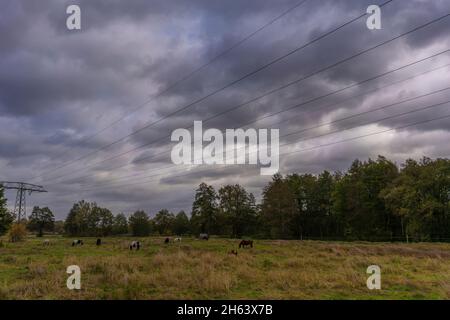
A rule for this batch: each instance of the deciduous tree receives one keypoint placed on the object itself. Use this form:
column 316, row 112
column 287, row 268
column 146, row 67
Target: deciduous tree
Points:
column 140, row 224
column 40, row 220
column 6, row 218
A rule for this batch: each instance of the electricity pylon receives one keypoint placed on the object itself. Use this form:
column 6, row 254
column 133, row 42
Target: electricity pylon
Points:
column 20, row 210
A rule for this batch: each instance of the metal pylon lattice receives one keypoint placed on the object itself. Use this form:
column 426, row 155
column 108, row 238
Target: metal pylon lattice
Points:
column 20, row 210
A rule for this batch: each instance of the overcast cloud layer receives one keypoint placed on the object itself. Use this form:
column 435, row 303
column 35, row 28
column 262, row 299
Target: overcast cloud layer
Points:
column 59, row 87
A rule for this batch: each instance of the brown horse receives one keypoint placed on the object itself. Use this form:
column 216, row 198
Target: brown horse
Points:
column 245, row 243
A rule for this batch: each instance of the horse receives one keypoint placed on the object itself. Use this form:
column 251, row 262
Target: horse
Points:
column 245, row 243
column 135, row 244
column 177, row 240
column 204, row 236
column 46, row 242
column 99, row 242
column 167, row 241
column 77, row 243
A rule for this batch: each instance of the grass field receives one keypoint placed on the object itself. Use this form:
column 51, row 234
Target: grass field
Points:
column 195, row 269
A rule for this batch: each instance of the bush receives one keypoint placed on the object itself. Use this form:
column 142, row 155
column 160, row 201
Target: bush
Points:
column 17, row 232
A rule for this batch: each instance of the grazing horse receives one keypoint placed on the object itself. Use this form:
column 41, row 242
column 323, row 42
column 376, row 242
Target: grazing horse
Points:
column 167, row 241
column 135, row 245
column 77, row 243
column 177, row 240
column 46, row 242
column 99, row 242
column 245, row 243
column 204, row 236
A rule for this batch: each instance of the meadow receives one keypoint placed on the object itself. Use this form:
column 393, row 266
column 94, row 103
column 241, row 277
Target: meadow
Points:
column 198, row 269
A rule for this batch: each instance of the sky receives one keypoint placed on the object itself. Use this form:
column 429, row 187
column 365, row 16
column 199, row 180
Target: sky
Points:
column 88, row 113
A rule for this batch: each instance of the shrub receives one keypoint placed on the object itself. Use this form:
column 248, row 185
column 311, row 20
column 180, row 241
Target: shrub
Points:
column 17, row 232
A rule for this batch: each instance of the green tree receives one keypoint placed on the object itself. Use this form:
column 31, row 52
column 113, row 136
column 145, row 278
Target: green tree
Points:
column 6, row 218
column 40, row 220
column 313, row 193
column 181, row 223
column 88, row 219
column 140, row 224
column 204, row 210
column 77, row 222
column 164, row 222
column 237, row 207
column 304, row 219
column 102, row 221
column 120, row 224
column 358, row 202
column 420, row 197
column 279, row 208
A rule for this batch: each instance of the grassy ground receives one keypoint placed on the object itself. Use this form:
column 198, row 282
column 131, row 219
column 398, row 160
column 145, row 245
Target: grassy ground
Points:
column 195, row 269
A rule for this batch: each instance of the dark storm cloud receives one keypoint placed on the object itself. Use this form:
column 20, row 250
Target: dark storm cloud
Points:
column 58, row 87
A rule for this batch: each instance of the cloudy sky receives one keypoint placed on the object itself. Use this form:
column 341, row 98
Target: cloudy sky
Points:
column 87, row 113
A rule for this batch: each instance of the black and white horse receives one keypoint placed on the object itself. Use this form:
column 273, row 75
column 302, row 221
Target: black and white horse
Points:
column 135, row 245
column 77, row 243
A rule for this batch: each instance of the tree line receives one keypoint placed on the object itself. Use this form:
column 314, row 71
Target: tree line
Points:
column 373, row 200
column 88, row 219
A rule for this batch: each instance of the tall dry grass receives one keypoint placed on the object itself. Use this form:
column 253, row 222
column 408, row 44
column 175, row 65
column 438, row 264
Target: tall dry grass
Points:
column 204, row 270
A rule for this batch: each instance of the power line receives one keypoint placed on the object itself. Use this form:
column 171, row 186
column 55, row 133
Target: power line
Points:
column 190, row 74
column 330, row 123
column 368, row 135
column 384, row 107
column 302, row 130
column 325, row 134
column 332, row 93
column 259, row 97
column 356, row 96
column 367, row 123
column 352, row 86
column 319, row 108
column 136, row 148
column 221, row 89
column 302, row 150
column 272, row 91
